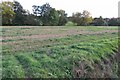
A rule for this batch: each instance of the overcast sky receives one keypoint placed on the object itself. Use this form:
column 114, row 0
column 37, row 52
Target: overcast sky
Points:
column 105, row 8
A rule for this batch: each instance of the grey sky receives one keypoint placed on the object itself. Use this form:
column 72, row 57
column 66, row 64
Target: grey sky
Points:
column 105, row 8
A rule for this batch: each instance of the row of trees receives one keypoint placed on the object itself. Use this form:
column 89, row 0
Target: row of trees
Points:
column 81, row 19
column 49, row 16
column 106, row 21
column 14, row 14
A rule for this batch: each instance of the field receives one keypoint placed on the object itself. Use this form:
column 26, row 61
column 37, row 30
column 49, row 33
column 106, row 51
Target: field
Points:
column 59, row 51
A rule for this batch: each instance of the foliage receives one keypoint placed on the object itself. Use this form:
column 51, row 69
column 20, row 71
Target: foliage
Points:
column 82, row 19
column 86, row 18
column 76, row 18
column 114, row 21
column 51, row 19
column 20, row 13
column 14, row 14
column 0, row 16
column 49, row 15
column 62, row 17
column 99, row 22
column 32, row 20
column 7, row 12
column 69, row 23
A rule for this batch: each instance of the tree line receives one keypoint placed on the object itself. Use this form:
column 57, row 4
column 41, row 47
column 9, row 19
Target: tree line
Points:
column 14, row 14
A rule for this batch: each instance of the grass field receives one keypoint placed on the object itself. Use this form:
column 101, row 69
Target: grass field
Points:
column 59, row 51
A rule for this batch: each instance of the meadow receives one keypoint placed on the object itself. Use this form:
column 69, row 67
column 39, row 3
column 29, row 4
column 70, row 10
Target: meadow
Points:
column 59, row 51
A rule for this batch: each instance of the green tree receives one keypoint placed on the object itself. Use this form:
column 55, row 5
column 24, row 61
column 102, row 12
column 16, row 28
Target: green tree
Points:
column 99, row 21
column 76, row 18
column 118, row 21
column 53, row 17
column 42, row 10
column 62, row 17
column 7, row 12
column 114, row 22
column 31, row 20
column 47, row 14
column 0, row 16
column 20, row 13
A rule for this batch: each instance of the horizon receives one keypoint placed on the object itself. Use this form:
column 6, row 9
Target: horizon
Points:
column 109, row 8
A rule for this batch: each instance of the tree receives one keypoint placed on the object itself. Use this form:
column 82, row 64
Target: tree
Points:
column 50, row 18
column 62, row 17
column 118, row 21
column 53, row 17
column 86, row 18
column 20, row 13
column 31, row 20
column 99, row 21
column 42, row 13
column 82, row 19
column 113, row 22
column 0, row 17
column 47, row 14
column 7, row 12
column 76, row 18
column 42, row 10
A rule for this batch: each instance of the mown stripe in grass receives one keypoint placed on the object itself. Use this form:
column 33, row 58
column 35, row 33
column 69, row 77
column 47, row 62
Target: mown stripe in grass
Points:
column 32, row 67
column 11, row 67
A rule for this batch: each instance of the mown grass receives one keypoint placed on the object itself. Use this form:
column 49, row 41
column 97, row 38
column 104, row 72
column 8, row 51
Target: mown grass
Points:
column 28, row 45
column 23, row 31
column 80, row 55
column 58, row 61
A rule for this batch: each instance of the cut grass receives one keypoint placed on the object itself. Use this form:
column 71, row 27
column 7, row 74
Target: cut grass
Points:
column 24, row 31
column 66, row 57
column 11, row 67
column 36, row 44
column 59, row 61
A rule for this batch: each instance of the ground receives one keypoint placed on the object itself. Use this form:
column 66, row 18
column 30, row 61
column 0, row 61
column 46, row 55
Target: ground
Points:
column 58, row 51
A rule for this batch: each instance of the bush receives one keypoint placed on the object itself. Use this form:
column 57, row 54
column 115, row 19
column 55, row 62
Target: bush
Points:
column 69, row 23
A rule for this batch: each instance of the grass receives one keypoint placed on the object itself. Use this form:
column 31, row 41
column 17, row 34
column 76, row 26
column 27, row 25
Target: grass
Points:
column 75, row 55
column 21, row 31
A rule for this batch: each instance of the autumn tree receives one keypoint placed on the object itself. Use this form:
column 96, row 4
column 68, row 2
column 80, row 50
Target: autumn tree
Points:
column 86, row 18
column 82, row 19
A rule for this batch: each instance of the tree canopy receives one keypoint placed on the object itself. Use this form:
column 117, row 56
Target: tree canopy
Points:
column 83, row 19
column 49, row 15
column 13, row 13
column 7, row 12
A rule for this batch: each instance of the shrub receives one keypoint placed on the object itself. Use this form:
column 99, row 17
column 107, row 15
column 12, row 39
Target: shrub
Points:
column 69, row 23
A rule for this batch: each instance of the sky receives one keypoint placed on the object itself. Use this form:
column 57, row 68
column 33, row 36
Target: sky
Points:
column 104, row 8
